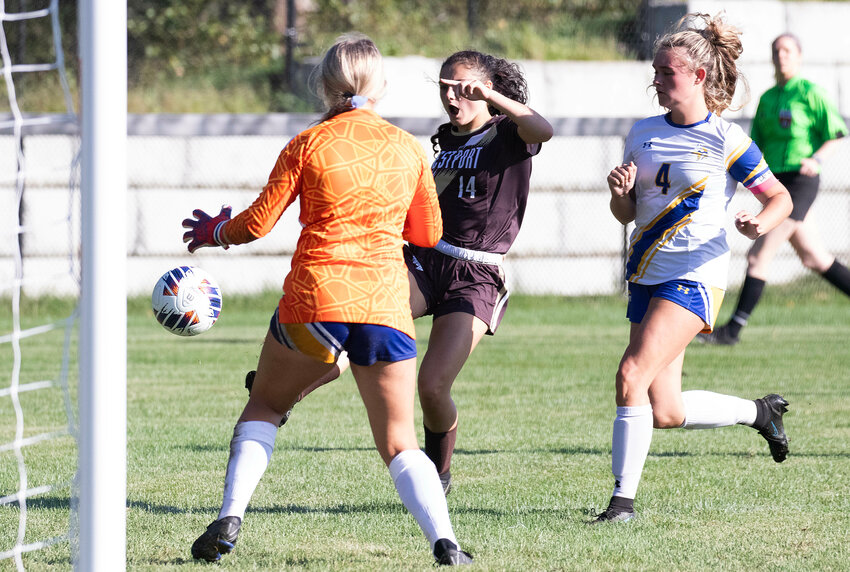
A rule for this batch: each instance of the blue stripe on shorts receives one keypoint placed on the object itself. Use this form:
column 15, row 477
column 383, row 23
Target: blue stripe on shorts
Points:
column 324, row 341
column 702, row 300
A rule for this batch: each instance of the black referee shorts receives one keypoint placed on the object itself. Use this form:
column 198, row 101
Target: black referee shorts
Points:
column 803, row 191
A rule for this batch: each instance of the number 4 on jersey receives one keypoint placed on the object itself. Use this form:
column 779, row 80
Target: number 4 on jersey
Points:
column 662, row 179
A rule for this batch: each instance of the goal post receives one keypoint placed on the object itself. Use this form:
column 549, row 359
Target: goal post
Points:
column 103, row 328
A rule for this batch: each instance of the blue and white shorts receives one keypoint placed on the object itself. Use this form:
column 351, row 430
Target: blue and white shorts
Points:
column 324, row 341
column 702, row 300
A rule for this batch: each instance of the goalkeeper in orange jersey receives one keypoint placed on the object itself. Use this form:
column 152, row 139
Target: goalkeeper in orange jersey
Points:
column 364, row 187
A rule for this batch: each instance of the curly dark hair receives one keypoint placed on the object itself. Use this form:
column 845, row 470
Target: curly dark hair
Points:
column 506, row 77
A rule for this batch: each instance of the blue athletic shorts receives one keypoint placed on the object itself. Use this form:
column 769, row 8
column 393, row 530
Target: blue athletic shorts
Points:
column 702, row 300
column 324, row 341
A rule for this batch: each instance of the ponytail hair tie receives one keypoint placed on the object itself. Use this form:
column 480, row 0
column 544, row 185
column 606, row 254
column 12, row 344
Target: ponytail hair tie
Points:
column 358, row 101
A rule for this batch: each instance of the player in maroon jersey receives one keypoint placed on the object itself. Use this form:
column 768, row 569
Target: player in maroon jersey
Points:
column 482, row 168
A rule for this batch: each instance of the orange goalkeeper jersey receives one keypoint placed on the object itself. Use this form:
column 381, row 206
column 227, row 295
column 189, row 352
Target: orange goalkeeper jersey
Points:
column 364, row 186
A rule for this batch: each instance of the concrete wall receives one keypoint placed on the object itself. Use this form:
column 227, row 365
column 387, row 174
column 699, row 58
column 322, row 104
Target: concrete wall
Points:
column 570, row 244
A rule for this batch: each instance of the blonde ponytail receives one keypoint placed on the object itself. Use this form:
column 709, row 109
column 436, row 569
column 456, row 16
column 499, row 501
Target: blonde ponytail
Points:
column 714, row 45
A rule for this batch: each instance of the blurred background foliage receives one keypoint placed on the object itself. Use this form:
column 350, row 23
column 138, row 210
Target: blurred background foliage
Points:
column 248, row 55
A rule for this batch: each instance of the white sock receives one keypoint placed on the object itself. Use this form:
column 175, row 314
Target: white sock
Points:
column 629, row 448
column 418, row 485
column 706, row 410
column 250, row 453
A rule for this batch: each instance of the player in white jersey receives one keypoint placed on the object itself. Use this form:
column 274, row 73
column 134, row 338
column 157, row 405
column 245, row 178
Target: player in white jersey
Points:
column 678, row 175
column 686, row 178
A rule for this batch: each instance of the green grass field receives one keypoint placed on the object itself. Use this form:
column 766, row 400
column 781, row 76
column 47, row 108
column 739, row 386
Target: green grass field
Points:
column 532, row 463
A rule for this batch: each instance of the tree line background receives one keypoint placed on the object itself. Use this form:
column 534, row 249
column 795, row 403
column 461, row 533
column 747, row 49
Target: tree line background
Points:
column 248, row 55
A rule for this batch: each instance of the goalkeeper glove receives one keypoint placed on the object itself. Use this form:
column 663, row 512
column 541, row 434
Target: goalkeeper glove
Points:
column 206, row 230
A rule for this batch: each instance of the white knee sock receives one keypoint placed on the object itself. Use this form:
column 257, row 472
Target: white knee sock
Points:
column 629, row 448
column 418, row 485
column 706, row 410
column 250, row 453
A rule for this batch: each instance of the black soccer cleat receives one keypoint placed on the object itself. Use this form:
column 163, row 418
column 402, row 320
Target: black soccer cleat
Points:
column 620, row 509
column 446, row 481
column 774, row 406
column 719, row 337
column 446, row 553
column 219, row 538
column 611, row 514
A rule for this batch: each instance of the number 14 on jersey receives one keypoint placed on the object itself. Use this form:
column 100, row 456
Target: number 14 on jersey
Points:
column 469, row 187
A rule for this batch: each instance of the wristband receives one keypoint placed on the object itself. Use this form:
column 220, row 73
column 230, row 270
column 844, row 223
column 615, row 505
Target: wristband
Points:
column 217, row 235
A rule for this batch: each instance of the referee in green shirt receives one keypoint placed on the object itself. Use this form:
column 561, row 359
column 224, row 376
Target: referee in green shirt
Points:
column 796, row 127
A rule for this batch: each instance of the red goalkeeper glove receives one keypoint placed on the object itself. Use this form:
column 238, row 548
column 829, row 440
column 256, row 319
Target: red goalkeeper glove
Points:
column 205, row 230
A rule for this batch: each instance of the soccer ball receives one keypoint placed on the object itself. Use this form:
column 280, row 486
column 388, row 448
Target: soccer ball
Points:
column 186, row 301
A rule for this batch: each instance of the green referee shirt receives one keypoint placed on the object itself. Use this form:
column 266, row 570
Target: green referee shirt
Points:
column 792, row 122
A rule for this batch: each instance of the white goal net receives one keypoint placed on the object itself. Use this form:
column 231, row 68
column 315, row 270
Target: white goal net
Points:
column 52, row 447
column 35, row 341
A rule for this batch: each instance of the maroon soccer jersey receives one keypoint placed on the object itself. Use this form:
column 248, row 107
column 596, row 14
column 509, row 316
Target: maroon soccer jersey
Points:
column 482, row 181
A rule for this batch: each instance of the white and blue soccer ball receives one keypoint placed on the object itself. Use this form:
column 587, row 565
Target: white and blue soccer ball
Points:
column 186, row 301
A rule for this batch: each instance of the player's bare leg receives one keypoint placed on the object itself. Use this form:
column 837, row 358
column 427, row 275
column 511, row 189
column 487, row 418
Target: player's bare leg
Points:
column 389, row 400
column 699, row 409
column 655, row 344
column 665, row 395
column 807, row 243
column 809, row 247
column 336, row 370
column 453, row 338
column 282, row 374
column 655, row 349
column 387, row 390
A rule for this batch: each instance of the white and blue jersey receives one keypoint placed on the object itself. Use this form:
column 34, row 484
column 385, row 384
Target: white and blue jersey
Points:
column 686, row 176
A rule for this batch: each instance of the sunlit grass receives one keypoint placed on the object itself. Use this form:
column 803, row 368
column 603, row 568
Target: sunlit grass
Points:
column 532, row 463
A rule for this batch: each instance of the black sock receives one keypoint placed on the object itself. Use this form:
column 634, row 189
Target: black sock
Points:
column 747, row 301
column 622, row 503
column 761, row 414
column 439, row 448
column 839, row 276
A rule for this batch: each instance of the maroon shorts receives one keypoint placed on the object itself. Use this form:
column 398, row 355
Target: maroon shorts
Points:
column 450, row 285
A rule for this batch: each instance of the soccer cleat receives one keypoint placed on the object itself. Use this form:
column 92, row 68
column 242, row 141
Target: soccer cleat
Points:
column 446, row 481
column 773, row 431
column 285, row 417
column 619, row 510
column 719, row 337
column 611, row 514
column 446, row 553
column 219, row 538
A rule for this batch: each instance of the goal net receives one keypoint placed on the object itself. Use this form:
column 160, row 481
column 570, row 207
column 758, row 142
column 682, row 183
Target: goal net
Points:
column 58, row 471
